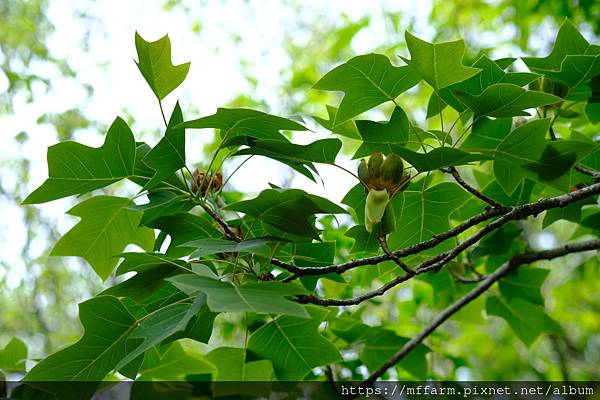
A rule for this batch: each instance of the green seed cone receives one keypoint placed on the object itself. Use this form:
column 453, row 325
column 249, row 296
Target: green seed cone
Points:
column 374, row 166
column 363, row 172
column 392, row 170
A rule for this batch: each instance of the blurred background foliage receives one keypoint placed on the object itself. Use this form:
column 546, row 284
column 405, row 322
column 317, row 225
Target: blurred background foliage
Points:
column 38, row 295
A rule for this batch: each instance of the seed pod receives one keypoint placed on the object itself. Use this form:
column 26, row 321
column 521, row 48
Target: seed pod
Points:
column 363, row 172
column 392, row 170
column 377, row 201
column 374, row 166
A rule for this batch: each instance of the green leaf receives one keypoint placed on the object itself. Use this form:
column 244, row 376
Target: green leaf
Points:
column 505, row 100
column 381, row 343
column 142, row 173
column 263, row 297
column 385, row 137
column 288, row 210
column 243, row 121
column 174, row 364
column 367, row 81
column 13, row 356
column 161, row 204
column 106, row 323
column 424, row 213
column 346, row 128
column 571, row 212
column 169, row 154
column 438, row 158
column 319, row 254
column 107, row 225
column 363, row 240
column 573, row 61
column 154, row 62
column 294, row 345
column 487, row 133
column 527, row 320
column 259, row 246
column 74, row 168
column 160, row 325
column 183, row 228
column 151, row 270
column 525, row 153
column 232, row 367
column 524, row 284
column 438, row 64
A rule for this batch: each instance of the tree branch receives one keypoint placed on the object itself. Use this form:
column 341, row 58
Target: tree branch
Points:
column 508, row 267
column 395, row 258
column 437, row 262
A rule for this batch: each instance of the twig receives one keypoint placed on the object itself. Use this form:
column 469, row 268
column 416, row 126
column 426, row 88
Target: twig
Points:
column 508, row 267
column 595, row 175
column 395, row 258
column 471, row 189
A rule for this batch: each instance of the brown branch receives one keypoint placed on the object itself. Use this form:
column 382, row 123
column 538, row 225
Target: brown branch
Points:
column 508, row 267
column 595, row 175
column 437, row 262
column 452, row 171
column 395, row 258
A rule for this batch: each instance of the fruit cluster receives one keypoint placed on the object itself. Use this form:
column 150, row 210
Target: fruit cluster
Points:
column 382, row 178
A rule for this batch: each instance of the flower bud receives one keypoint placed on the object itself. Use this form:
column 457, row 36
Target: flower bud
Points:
column 392, row 170
column 363, row 172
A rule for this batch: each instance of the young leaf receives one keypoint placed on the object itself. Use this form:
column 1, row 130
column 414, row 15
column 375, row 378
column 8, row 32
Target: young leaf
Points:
column 107, row 225
column 385, row 137
column 13, row 356
column 169, row 154
column 264, row 297
column 527, row 320
column 294, row 345
column 438, row 64
column 74, row 168
column 367, row 81
column 288, row 210
column 505, row 100
column 154, row 62
column 243, row 121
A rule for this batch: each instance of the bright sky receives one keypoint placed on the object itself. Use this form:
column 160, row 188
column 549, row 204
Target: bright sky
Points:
column 215, row 77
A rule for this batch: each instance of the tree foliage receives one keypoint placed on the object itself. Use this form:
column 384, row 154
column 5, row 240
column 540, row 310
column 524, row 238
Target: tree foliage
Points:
column 520, row 147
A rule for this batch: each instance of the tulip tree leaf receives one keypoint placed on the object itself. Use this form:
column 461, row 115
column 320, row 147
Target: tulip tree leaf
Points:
column 505, row 100
column 259, row 246
column 262, row 297
column 573, row 60
column 294, row 345
column 174, row 364
column 94, row 355
column 242, row 121
column 367, row 81
column 161, row 204
column 107, row 225
column 424, row 213
column 438, row 158
column 385, row 137
column 380, row 343
column 74, row 168
column 232, row 366
column 288, row 210
column 169, row 154
column 346, row 128
column 527, row 320
column 438, row 64
column 524, row 284
column 154, row 62
column 13, row 356
column 487, row 133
